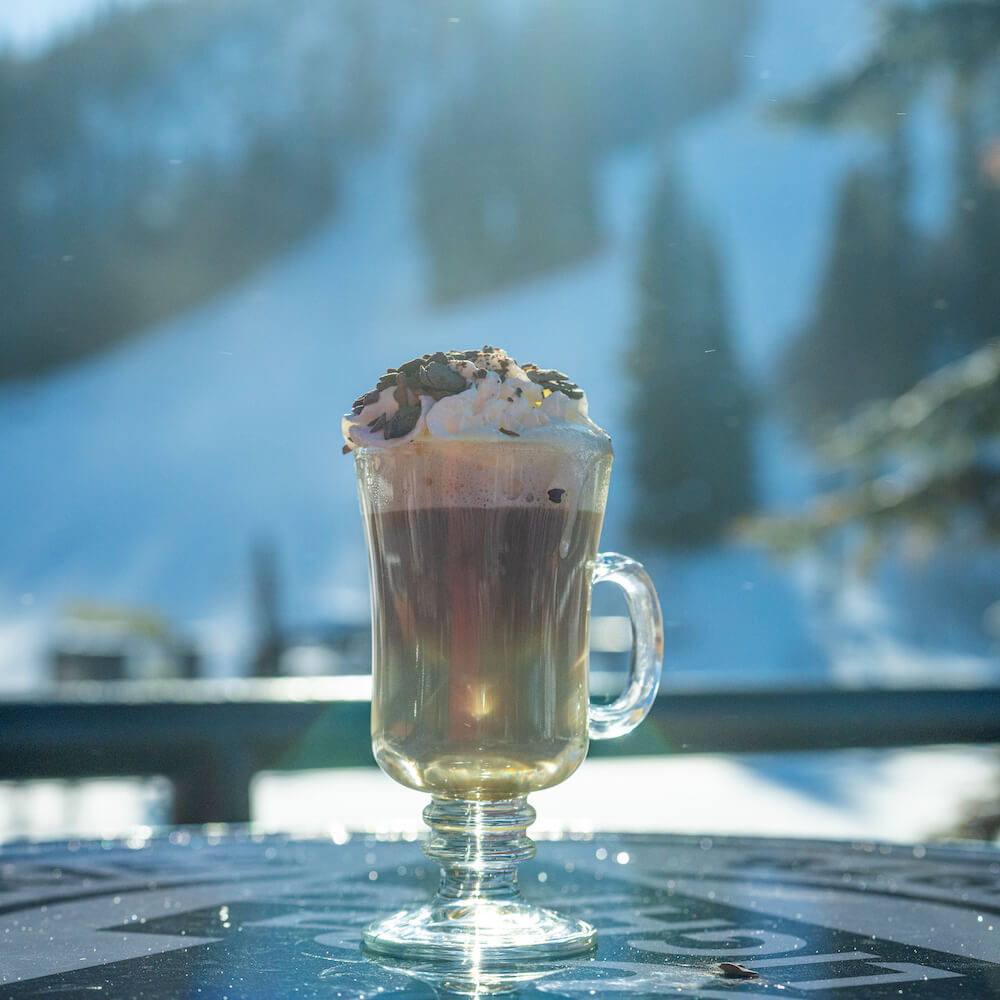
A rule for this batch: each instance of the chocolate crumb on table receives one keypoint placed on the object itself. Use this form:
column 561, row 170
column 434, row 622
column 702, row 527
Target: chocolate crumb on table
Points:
column 733, row 970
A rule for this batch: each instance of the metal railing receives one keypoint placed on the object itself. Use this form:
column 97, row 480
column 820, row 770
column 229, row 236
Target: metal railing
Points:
column 210, row 737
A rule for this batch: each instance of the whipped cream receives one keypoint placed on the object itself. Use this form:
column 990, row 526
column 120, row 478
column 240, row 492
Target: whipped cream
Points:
column 466, row 395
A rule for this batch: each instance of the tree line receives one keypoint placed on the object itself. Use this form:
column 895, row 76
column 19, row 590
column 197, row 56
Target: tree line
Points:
column 895, row 304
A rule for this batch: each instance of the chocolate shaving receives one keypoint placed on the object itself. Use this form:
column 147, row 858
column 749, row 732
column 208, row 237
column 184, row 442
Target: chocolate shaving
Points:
column 412, row 368
column 512, row 434
column 403, row 421
column 346, row 450
column 556, row 495
column 553, row 381
column 733, row 970
column 368, row 397
column 438, row 374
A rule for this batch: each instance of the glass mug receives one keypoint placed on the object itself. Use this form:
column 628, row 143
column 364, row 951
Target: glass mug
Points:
column 482, row 556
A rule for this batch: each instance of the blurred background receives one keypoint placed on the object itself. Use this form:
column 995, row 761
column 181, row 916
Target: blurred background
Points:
column 761, row 234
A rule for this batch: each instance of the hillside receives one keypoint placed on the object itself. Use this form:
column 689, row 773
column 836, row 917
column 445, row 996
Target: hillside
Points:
column 143, row 475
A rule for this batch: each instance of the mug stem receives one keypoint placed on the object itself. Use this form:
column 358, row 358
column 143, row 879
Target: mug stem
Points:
column 479, row 845
column 478, row 915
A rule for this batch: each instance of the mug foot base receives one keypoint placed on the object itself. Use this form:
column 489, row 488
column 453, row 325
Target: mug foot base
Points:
column 481, row 930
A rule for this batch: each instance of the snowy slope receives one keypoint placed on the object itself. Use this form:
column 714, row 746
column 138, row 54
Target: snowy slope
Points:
column 144, row 476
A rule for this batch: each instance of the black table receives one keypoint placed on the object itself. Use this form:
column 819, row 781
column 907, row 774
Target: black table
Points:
column 231, row 916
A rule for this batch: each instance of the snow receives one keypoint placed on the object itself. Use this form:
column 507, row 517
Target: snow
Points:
column 897, row 795
column 903, row 796
column 770, row 188
column 144, row 476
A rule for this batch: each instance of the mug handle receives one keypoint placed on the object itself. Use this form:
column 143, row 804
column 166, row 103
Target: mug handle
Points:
column 634, row 703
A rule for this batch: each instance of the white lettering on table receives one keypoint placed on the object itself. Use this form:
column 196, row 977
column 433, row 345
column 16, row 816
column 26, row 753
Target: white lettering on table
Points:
column 764, row 943
column 899, row 972
column 62, row 937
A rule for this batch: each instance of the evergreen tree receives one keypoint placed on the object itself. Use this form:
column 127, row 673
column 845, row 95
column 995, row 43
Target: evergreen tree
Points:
column 164, row 150
column 506, row 179
column 922, row 462
column 964, row 268
column 867, row 339
column 945, row 291
column 505, row 188
column 691, row 409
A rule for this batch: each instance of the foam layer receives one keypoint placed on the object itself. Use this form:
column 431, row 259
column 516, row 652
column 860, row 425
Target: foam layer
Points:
column 569, row 469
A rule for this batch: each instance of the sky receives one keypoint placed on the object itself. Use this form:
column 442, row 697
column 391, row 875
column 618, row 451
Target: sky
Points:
column 28, row 25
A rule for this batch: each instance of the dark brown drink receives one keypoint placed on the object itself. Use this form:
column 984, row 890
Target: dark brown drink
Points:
column 481, row 564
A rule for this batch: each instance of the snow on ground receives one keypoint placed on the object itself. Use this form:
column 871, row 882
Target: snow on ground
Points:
column 901, row 795
column 904, row 796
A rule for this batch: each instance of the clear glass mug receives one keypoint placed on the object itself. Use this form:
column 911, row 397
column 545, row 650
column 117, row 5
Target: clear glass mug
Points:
column 482, row 557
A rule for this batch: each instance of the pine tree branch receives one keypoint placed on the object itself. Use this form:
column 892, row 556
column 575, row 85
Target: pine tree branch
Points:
column 962, row 502
column 960, row 402
column 928, row 459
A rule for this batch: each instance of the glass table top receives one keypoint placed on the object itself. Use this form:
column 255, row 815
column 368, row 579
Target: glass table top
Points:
column 232, row 915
